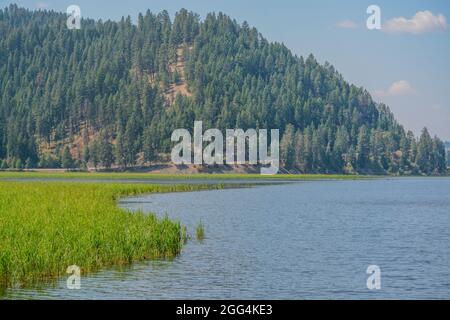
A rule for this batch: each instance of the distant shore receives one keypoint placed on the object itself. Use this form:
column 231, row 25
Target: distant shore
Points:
column 61, row 174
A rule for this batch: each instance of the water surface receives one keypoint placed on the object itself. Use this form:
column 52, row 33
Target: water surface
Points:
column 305, row 240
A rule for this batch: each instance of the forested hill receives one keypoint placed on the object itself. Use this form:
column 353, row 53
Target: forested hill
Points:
column 113, row 92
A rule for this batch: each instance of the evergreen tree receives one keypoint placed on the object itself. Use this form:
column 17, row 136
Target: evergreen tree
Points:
column 67, row 160
column 287, row 148
column 94, row 153
column 118, row 77
column 106, row 156
column 448, row 158
column 120, row 151
column 424, row 152
column 340, row 149
column 149, row 145
column 363, row 148
column 86, row 154
column 439, row 164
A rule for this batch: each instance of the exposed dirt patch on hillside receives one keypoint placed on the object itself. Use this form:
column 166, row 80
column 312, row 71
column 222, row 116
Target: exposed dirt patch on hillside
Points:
column 180, row 87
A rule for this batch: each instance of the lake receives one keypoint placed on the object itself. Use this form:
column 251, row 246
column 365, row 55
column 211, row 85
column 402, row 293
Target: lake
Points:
column 303, row 240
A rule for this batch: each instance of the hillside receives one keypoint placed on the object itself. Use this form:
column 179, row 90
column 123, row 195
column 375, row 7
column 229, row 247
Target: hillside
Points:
column 111, row 94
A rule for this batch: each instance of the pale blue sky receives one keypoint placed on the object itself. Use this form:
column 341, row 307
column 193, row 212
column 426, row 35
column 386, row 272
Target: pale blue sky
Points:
column 414, row 63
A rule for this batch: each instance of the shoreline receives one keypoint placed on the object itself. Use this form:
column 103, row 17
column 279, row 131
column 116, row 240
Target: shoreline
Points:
column 97, row 233
column 180, row 177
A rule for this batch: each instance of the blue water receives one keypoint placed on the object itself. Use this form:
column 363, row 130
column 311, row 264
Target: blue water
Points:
column 308, row 240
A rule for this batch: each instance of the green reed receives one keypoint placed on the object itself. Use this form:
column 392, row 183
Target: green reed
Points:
column 46, row 227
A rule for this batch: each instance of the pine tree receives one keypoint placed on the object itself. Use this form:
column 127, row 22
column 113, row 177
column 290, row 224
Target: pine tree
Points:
column 287, row 148
column 74, row 84
column 94, row 153
column 106, row 156
column 340, row 149
column 448, row 158
column 148, row 145
column 363, row 148
column 120, row 151
column 438, row 156
column 424, row 152
column 86, row 154
column 132, row 140
column 67, row 160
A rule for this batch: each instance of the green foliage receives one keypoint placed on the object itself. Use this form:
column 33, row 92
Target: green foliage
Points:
column 200, row 231
column 49, row 161
column 113, row 76
column 86, row 154
column 105, row 150
column 287, row 147
column 174, row 177
column 46, row 227
column 448, row 158
column 67, row 160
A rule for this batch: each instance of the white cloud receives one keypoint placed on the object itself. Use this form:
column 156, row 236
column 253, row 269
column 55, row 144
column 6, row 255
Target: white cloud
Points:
column 401, row 88
column 347, row 24
column 41, row 5
column 398, row 88
column 421, row 22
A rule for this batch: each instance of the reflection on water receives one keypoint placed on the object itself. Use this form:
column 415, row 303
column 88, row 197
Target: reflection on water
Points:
column 307, row 240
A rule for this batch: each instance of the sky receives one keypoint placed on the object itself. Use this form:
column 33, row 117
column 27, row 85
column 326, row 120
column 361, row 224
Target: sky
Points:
column 405, row 64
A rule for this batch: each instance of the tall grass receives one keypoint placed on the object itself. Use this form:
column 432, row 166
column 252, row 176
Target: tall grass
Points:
column 46, row 227
column 200, row 231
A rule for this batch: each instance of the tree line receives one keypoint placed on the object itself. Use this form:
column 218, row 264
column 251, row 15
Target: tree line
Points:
column 98, row 96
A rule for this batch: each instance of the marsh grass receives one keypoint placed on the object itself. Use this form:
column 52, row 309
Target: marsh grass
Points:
column 46, row 227
column 184, row 234
column 200, row 231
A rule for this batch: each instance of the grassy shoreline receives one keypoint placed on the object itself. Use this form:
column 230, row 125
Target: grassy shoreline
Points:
column 174, row 177
column 46, row 227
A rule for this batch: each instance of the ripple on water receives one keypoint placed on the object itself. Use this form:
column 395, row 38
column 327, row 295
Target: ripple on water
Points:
column 298, row 241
